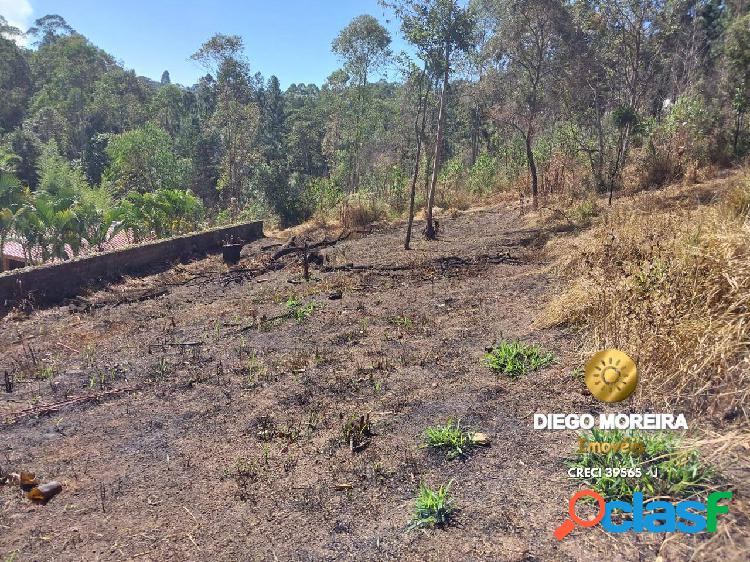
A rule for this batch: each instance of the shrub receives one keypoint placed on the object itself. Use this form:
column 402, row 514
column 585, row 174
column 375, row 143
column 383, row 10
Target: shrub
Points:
column 585, row 211
column 482, row 175
column 361, row 210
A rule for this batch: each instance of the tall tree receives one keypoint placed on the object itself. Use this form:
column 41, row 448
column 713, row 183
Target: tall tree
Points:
column 235, row 118
column 440, row 29
column 529, row 50
column 49, row 28
column 737, row 52
column 15, row 83
column 363, row 45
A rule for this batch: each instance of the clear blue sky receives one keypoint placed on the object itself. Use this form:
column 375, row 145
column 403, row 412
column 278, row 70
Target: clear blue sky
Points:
column 288, row 38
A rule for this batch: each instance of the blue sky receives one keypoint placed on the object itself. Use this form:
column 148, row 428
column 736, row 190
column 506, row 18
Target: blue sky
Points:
column 288, row 38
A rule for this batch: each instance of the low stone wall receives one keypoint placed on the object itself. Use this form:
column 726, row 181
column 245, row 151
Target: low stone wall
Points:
column 47, row 284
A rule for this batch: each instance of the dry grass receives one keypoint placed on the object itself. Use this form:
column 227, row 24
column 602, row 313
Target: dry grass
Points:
column 665, row 276
column 361, row 211
column 672, row 287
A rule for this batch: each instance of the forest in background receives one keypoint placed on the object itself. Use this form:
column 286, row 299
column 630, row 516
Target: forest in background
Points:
column 540, row 98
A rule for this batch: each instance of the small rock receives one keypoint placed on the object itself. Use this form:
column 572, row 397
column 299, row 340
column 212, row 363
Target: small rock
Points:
column 481, row 439
column 335, row 295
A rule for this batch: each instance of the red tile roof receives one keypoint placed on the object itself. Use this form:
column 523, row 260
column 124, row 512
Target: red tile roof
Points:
column 14, row 250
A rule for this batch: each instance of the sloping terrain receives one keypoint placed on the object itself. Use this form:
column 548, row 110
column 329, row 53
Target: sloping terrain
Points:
column 225, row 439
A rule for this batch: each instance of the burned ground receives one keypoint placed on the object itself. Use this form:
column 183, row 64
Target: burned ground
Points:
column 209, row 416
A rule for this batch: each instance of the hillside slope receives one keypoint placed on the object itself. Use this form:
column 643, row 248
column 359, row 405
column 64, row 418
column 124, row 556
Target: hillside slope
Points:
column 226, row 437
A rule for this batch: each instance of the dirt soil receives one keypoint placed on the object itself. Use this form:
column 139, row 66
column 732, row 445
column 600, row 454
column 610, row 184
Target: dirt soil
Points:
column 209, row 425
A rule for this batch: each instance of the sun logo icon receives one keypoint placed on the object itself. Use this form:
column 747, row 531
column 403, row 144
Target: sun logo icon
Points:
column 611, row 375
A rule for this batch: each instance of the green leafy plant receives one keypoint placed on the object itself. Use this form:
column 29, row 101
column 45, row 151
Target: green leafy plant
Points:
column 515, row 358
column 433, row 508
column 667, row 469
column 585, row 211
column 46, row 373
column 301, row 311
column 402, row 321
column 578, row 374
column 451, row 437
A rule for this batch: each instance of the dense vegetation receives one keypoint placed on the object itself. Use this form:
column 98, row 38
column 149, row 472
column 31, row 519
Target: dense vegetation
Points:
column 541, row 97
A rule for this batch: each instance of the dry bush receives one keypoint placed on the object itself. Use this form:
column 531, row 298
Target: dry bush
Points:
column 455, row 198
column 359, row 211
column 672, row 288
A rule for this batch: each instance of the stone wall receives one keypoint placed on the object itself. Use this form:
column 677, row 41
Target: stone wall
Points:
column 47, row 284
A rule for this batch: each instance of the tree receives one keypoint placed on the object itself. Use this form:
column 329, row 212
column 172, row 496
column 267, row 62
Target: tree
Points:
column 631, row 49
column 423, row 94
column 8, row 31
column 273, row 121
column 439, row 29
column 235, row 118
column 737, row 53
column 15, row 84
column 165, row 79
column 218, row 50
column 143, row 160
column 168, row 108
column 529, row 47
column 363, row 46
column 49, row 28
column 74, row 97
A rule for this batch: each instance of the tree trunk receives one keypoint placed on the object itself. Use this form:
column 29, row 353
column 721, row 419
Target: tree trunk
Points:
column 422, row 108
column 737, row 127
column 622, row 150
column 429, row 230
column 532, row 172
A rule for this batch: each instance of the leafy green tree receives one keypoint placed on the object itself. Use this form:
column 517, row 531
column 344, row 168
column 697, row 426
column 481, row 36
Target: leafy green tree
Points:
column 66, row 72
column 530, row 43
column 737, row 53
column 218, row 51
column 15, row 84
column 363, row 46
column 49, row 29
column 235, row 119
column 25, row 149
column 143, row 160
column 168, row 108
column 8, row 31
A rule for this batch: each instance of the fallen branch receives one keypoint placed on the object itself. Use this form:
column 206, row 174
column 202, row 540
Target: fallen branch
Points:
column 47, row 408
column 291, row 246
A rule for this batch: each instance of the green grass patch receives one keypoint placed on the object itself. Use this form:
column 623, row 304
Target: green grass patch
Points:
column 451, row 437
column 432, row 508
column 300, row 310
column 667, row 469
column 515, row 358
column 402, row 322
